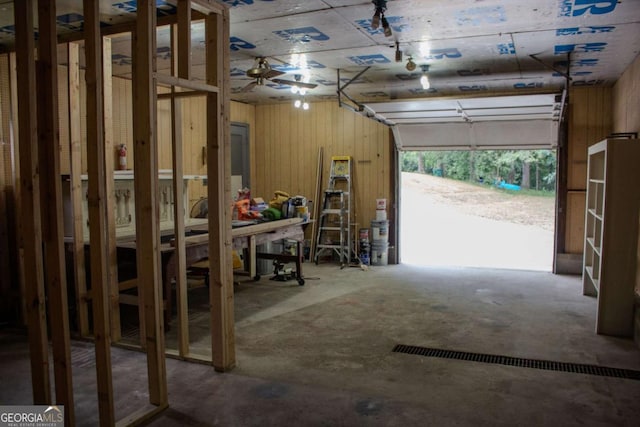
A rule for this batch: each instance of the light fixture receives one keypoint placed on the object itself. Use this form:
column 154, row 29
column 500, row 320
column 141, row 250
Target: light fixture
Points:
column 375, row 21
column 386, row 27
column 294, row 89
column 378, row 17
column 424, row 80
column 410, row 64
column 398, row 52
column 301, row 103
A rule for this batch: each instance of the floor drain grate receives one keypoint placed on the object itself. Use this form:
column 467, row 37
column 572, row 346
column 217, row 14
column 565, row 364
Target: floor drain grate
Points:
column 547, row 365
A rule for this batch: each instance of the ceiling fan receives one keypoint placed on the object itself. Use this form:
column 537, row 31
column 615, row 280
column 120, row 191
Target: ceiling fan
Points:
column 262, row 71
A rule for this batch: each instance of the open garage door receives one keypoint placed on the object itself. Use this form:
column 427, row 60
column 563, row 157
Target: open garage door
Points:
column 520, row 122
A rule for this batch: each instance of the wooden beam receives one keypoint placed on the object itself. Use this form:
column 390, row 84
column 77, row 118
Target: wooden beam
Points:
column 182, row 301
column 207, row 7
column 146, row 190
column 17, row 182
column 30, row 203
column 166, row 80
column 219, row 192
column 97, row 212
column 125, row 27
column 183, row 53
column 52, row 216
column 75, row 150
column 189, row 94
column 110, row 150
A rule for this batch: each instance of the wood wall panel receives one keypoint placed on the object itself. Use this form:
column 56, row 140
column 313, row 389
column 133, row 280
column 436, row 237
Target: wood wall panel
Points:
column 287, row 141
column 626, row 100
column 590, row 120
column 575, row 216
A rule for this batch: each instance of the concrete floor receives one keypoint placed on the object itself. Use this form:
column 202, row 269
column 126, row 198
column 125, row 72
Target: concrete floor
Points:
column 320, row 355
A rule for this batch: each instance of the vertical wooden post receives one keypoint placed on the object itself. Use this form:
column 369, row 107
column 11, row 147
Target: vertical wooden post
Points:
column 219, row 192
column 109, row 148
column 97, row 213
column 184, row 39
column 75, row 150
column 17, row 182
column 146, row 188
column 30, row 203
column 182, row 301
column 52, row 221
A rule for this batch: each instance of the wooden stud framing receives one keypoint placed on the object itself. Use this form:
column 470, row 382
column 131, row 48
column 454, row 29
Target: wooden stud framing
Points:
column 30, row 203
column 97, row 213
column 166, row 80
column 182, row 301
column 184, row 40
column 146, row 189
column 110, row 148
column 51, row 197
column 75, row 150
column 219, row 191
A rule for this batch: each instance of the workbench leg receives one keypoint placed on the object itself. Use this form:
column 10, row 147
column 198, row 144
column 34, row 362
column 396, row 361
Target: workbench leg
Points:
column 252, row 258
column 299, row 260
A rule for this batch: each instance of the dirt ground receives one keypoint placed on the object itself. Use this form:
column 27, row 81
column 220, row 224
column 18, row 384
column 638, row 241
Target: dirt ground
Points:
column 453, row 223
column 484, row 200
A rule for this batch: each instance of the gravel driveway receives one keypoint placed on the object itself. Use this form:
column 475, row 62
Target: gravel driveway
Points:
column 453, row 223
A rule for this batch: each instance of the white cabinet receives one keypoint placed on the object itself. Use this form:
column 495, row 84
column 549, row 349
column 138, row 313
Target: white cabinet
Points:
column 611, row 232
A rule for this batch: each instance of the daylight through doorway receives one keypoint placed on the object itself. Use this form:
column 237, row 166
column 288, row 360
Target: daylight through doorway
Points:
column 490, row 208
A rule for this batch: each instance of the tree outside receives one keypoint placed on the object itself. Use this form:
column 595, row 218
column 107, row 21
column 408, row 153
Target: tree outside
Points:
column 527, row 169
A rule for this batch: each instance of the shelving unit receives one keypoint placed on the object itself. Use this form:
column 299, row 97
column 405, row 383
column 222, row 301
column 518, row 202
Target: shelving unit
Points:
column 611, row 232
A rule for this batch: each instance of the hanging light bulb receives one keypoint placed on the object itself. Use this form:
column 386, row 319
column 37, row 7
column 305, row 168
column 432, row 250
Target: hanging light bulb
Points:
column 297, row 103
column 302, row 91
column 305, row 105
column 424, row 80
column 294, row 89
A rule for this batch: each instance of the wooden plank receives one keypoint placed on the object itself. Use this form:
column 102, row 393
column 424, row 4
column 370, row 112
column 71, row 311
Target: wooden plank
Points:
column 178, row 82
column 51, row 197
column 146, row 190
column 30, row 203
column 188, row 94
column 183, row 54
column 109, row 160
column 141, row 416
column 17, row 182
column 219, row 179
column 75, row 151
column 97, row 197
column 317, row 197
column 182, row 302
column 208, row 6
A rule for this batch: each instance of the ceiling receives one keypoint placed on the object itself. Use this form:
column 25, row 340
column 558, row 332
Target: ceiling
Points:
column 472, row 48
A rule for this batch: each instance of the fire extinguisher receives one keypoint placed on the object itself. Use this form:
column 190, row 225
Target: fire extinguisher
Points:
column 122, row 157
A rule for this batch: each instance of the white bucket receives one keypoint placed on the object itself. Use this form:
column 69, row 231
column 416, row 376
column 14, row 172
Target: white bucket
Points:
column 379, row 253
column 381, row 215
column 380, row 230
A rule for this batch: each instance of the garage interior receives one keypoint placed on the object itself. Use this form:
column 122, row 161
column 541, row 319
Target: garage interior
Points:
column 372, row 345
